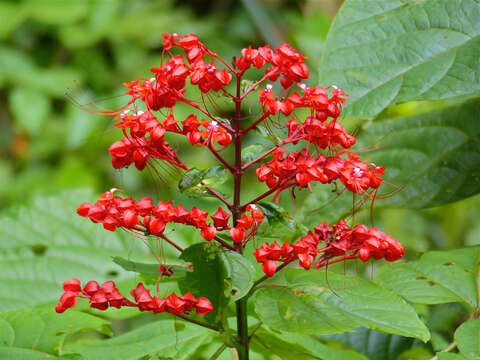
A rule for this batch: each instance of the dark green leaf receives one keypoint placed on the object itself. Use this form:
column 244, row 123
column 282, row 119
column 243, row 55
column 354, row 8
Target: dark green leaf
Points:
column 194, row 181
column 434, row 156
column 308, row 306
column 46, row 243
column 375, row 345
column 382, row 52
column 281, row 225
column 438, row 277
column 467, row 337
column 304, row 344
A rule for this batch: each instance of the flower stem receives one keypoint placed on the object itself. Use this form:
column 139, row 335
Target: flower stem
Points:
column 198, row 322
column 241, row 305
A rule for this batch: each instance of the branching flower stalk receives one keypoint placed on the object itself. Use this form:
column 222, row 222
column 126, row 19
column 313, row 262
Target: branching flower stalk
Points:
column 315, row 149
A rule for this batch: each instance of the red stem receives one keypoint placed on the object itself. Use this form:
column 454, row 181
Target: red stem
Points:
column 254, row 86
column 263, row 117
column 171, row 243
column 199, row 108
column 222, row 160
column 261, row 157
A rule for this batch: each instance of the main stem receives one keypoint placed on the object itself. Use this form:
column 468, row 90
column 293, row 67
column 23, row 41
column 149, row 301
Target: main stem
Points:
column 242, row 324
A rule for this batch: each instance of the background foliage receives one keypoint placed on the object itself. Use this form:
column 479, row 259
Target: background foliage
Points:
column 412, row 70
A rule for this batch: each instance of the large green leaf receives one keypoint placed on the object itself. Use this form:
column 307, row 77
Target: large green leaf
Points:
column 308, row 306
column 161, row 338
column 43, row 331
column 438, row 277
column 46, row 242
column 382, row 52
column 376, row 345
column 281, row 225
column 467, row 337
column 431, row 158
column 220, row 276
column 434, row 156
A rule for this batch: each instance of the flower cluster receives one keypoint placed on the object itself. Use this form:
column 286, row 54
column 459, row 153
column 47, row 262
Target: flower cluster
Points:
column 114, row 212
column 339, row 241
column 299, row 168
column 315, row 98
column 103, row 296
column 249, row 220
column 286, row 62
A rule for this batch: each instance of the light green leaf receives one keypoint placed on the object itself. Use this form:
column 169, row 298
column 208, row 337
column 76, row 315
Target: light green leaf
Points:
column 382, row 52
column 438, row 277
column 55, row 12
column 43, row 330
column 46, row 243
column 450, row 356
column 12, row 15
column 11, row 353
column 238, row 274
column 30, row 109
column 467, row 337
column 161, row 338
column 308, row 306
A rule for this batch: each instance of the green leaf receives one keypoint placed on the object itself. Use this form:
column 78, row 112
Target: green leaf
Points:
column 434, row 156
column 220, row 276
column 467, row 337
column 438, row 277
column 194, row 180
column 281, row 225
column 46, row 242
column 375, row 345
column 206, row 278
column 450, row 356
column 11, row 353
column 307, row 345
column 12, row 15
column 161, row 338
column 43, row 330
column 383, row 52
column 281, row 346
column 238, row 274
column 308, row 306
column 30, row 109
column 150, row 269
